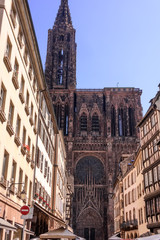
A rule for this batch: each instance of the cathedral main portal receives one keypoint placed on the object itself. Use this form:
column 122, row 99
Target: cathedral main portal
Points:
column 90, row 185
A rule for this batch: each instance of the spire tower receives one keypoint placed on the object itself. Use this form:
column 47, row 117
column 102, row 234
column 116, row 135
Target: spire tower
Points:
column 63, row 15
column 60, row 66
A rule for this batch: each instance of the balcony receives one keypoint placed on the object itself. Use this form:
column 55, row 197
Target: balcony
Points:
column 10, row 128
column 7, row 62
column 28, row 157
column 129, row 225
column 15, row 80
column 32, row 164
column 35, row 130
column 2, row 115
column 26, row 109
column 23, row 150
column 31, row 120
column 21, row 96
column 17, row 140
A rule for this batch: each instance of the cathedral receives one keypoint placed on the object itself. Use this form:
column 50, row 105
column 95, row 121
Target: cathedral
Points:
column 99, row 125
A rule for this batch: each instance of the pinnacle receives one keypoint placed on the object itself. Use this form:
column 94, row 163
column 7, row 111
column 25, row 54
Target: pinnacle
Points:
column 63, row 15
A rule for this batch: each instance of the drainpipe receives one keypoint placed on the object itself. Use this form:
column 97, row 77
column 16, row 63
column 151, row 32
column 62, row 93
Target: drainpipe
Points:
column 54, row 178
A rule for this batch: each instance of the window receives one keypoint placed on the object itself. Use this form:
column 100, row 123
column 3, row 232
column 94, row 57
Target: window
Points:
column 5, row 165
column 16, row 68
column 131, row 121
column 11, row 113
column 20, row 38
column 31, row 112
column 129, row 200
column 146, row 179
column 159, row 171
column 35, row 120
column 38, row 158
column 145, row 129
column 30, row 193
column 33, row 152
column 22, row 85
column 155, row 145
column 46, row 168
column 13, row 173
column 150, row 177
column 8, row 49
column 132, row 179
column 128, row 181
column 27, row 98
column 83, row 122
column 2, row 97
column 20, row 180
column 113, row 121
column 18, row 125
column 68, row 37
column 126, row 200
column 155, row 175
column 34, row 84
column 95, row 123
column 13, row 15
column 153, row 120
column 26, row 184
column 134, row 214
column 24, row 135
column 26, row 57
column 48, row 174
column 41, row 163
column 30, row 71
column 29, row 144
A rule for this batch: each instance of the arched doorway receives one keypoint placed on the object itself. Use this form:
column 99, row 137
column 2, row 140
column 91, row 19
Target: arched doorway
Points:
column 89, row 203
column 90, row 224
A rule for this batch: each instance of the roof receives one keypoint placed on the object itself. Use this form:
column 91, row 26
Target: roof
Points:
column 6, row 225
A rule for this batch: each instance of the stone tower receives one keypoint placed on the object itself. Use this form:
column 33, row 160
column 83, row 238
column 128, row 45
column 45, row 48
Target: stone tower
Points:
column 98, row 125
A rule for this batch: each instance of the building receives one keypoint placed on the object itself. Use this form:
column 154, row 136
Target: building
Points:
column 140, row 203
column 149, row 139
column 118, row 205
column 32, row 150
column 48, row 152
column 98, row 125
column 130, row 217
column 20, row 76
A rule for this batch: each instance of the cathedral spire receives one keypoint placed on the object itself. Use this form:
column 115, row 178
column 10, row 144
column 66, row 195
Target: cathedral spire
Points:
column 63, row 15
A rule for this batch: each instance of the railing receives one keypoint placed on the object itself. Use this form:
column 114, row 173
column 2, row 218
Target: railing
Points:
column 132, row 224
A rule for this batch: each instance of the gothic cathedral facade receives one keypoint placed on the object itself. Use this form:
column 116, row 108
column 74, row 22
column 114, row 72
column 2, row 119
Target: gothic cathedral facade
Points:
column 99, row 125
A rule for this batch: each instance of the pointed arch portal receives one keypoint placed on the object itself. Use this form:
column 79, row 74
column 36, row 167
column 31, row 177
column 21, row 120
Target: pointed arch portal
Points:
column 89, row 194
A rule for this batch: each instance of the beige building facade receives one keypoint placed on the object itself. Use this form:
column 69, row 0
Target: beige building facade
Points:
column 129, row 217
column 32, row 151
column 21, row 76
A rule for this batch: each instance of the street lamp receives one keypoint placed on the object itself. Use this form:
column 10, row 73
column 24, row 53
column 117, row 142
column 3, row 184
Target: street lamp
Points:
column 22, row 193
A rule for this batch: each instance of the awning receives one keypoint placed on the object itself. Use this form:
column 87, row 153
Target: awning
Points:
column 6, row 225
column 115, row 237
column 58, row 233
column 80, row 238
column 26, row 230
column 153, row 237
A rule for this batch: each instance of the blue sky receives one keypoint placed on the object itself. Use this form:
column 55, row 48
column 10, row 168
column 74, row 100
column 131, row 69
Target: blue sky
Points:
column 118, row 41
